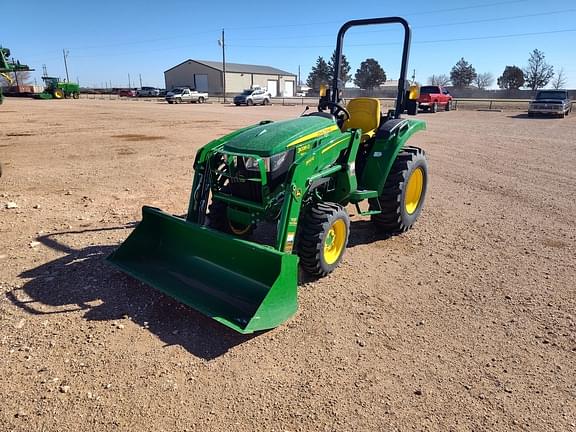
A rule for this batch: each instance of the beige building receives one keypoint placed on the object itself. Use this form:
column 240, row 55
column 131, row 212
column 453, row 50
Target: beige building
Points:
column 207, row 76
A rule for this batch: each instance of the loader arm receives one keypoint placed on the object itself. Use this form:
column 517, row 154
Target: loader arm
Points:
column 7, row 77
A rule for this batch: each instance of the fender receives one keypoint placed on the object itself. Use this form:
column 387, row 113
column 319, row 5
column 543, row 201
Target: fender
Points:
column 390, row 139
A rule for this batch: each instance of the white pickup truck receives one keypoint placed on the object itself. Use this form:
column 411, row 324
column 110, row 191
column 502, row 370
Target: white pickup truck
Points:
column 184, row 94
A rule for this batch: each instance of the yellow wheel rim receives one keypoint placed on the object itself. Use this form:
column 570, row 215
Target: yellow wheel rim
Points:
column 414, row 189
column 334, row 242
column 58, row 94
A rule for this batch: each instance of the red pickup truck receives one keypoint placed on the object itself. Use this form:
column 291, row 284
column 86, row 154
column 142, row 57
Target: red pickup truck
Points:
column 434, row 97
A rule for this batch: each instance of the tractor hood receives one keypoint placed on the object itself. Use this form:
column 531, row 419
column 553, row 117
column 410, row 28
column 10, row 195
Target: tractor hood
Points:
column 276, row 137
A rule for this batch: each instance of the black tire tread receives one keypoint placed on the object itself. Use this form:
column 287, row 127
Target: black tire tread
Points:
column 390, row 220
column 313, row 225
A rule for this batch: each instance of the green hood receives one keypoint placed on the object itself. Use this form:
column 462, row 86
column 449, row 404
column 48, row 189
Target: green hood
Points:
column 275, row 137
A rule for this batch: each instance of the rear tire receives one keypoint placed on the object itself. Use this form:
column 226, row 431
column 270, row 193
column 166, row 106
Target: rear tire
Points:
column 200, row 99
column 449, row 105
column 322, row 238
column 404, row 192
column 58, row 94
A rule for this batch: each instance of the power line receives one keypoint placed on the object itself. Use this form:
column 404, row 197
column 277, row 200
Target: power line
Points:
column 443, row 24
column 413, row 42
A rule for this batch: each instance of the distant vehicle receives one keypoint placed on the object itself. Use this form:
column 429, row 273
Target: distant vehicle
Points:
column 255, row 96
column 127, row 92
column 554, row 102
column 434, row 97
column 184, row 94
column 148, row 91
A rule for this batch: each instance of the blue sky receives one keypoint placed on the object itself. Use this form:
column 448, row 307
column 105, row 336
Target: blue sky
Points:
column 107, row 40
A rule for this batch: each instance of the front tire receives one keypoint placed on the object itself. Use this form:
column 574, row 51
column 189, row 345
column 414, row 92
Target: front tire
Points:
column 58, row 94
column 434, row 108
column 404, row 192
column 249, row 102
column 322, row 238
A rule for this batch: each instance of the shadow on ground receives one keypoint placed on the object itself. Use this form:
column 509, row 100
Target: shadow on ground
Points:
column 81, row 280
column 525, row 117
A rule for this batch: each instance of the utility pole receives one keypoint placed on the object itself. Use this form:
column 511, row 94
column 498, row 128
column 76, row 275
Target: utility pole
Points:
column 65, row 54
column 299, row 82
column 140, row 76
column 44, row 70
column 221, row 43
column 129, row 86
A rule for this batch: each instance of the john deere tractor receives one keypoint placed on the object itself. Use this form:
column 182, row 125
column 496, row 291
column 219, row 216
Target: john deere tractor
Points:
column 56, row 89
column 7, row 67
column 298, row 176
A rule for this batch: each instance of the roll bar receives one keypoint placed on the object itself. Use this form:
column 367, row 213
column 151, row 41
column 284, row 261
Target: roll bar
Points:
column 405, row 54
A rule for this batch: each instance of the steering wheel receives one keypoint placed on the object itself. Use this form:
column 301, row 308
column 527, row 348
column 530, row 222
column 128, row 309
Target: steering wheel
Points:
column 335, row 108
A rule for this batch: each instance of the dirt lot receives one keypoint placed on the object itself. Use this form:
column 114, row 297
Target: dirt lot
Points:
column 467, row 322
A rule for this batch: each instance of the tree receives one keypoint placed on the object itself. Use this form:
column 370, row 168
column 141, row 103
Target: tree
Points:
column 320, row 74
column 439, row 80
column 560, row 80
column 484, row 80
column 512, row 78
column 462, row 74
column 345, row 75
column 369, row 75
column 538, row 73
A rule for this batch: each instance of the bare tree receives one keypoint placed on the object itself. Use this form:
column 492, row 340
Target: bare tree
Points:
column 484, row 80
column 560, row 80
column 439, row 80
column 538, row 73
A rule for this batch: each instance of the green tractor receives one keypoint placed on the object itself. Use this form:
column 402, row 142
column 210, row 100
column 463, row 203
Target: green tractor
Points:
column 295, row 177
column 56, row 89
column 8, row 67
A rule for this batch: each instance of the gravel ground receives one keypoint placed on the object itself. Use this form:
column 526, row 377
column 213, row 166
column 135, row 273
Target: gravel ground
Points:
column 467, row 322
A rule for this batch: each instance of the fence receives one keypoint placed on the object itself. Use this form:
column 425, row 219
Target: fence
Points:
column 312, row 102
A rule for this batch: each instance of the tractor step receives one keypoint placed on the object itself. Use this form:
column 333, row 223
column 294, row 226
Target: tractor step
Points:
column 361, row 195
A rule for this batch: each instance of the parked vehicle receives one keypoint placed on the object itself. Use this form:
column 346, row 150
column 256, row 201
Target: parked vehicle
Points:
column 127, row 92
column 56, row 89
column 148, row 91
column 433, row 98
column 554, row 102
column 254, row 96
column 297, row 175
column 184, row 94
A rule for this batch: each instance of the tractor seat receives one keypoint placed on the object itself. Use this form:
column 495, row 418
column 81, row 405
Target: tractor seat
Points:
column 365, row 115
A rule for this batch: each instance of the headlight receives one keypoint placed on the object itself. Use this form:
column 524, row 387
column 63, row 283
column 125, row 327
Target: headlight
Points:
column 271, row 163
column 251, row 164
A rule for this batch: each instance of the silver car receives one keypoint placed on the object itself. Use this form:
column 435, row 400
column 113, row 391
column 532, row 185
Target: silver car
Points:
column 257, row 96
column 552, row 102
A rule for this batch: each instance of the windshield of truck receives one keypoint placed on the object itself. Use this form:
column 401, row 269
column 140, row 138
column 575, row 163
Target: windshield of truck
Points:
column 247, row 92
column 429, row 89
column 551, row 95
column 178, row 90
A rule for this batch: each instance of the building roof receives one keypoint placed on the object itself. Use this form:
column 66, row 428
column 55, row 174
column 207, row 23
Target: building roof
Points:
column 238, row 67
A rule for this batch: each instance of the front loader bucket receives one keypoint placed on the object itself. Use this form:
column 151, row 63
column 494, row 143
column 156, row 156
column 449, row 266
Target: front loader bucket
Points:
column 243, row 285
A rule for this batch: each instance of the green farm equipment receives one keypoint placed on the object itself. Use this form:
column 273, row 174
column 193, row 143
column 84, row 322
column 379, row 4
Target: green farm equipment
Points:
column 56, row 89
column 8, row 66
column 295, row 177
